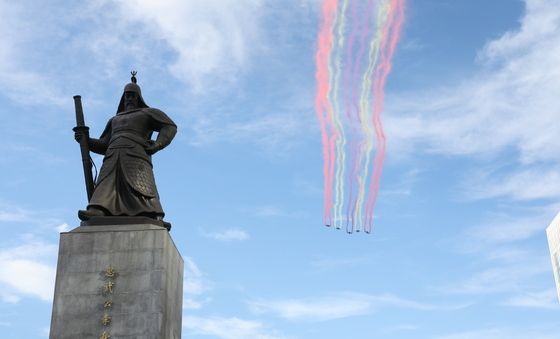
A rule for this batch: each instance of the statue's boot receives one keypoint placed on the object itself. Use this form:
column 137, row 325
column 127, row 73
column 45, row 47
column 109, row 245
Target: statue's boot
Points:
column 90, row 212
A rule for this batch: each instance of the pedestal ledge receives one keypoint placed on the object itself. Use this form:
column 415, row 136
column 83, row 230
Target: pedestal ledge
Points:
column 125, row 220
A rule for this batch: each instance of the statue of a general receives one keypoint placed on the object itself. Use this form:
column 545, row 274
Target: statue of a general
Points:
column 125, row 185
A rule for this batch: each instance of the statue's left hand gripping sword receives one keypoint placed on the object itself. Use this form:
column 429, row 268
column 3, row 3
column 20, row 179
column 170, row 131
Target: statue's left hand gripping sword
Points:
column 84, row 145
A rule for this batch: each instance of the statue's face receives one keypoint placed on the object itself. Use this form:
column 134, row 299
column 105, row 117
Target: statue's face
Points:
column 130, row 100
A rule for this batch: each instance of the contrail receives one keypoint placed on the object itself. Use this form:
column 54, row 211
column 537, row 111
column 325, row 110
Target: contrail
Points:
column 322, row 105
column 390, row 38
column 341, row 140
column 356, row 42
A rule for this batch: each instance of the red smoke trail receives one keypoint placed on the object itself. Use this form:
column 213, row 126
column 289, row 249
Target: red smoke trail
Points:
column 390, row 39
column 322, row 105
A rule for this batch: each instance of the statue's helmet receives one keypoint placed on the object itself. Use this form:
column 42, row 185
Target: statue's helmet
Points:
column 132, row 87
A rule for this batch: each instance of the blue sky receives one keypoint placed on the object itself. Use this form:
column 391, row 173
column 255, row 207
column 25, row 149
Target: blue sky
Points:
column 470, row 183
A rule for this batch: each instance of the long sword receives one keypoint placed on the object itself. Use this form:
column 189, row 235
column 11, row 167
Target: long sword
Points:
column 84, row 145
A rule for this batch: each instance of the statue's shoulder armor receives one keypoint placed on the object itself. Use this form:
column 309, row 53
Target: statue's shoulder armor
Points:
column 159, row 116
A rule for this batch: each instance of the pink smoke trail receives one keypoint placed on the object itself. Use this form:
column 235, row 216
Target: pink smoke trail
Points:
column 323, row 107
column 390, row 39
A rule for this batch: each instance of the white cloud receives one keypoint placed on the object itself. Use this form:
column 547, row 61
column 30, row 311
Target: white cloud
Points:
column 11, row 213
column 229, row 328
column 194, row 281
column 232, row 234
column 510, row 104
column 275, row 133
column 507, row 254
column 194, row 304
column 64, row 227
column 194, row 286
column 42, row 220
column 267, row 211
column 335, row 307
column 328, row 264
column 508, row 229
column 25, row 271
column 13, row 216
column 504, row 264
column 212, row 39
column 9, row 298
column 542, row 299
column 536, row 182
column 19, row 78
column 503, row 333
column 502, row 279
column 43, row 52
column 314, row 310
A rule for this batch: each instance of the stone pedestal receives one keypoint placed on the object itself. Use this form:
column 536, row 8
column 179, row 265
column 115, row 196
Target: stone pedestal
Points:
column 117, row 282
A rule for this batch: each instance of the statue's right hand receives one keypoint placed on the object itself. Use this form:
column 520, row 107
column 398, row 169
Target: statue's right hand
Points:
column 78, row 136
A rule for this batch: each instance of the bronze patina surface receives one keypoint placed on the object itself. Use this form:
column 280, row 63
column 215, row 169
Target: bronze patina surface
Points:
column 126, row 186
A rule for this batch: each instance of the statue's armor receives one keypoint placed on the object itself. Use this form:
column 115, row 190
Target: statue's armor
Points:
column 126, row 184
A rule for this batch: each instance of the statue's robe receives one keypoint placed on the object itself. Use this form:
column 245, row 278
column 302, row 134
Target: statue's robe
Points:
column 125, row 184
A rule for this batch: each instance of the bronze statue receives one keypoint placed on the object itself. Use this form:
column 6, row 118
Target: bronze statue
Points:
column 125, row 185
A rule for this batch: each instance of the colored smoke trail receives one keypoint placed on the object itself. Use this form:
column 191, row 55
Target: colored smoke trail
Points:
column 367, row 130
column 391, row 37
column 341, row 141
column 356, row 42
column 322, row 105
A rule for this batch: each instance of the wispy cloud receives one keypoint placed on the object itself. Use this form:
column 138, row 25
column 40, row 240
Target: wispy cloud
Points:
column 211, row 45
column 64, row 227
column 503, row 264
column 232, row 234
column 509, row 105
column 31, row 264
column 328, row 264
column 212, row 39
column 547, row 299
column 501, row 236
column 535, row 182
column 11, row 216
column 229, row 328
column 267, row 211
column 507, row 229
column 504, row 333
column 195, row 285
column 501, row 279
column 43, row 220
column 337, row 306
column 10, row 212
column 20, row 78
column 194, row 279
column 208, row 44
column 195, row 304
column 275, row 133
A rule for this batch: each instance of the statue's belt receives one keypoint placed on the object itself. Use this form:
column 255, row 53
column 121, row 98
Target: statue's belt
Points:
column 129, row 135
